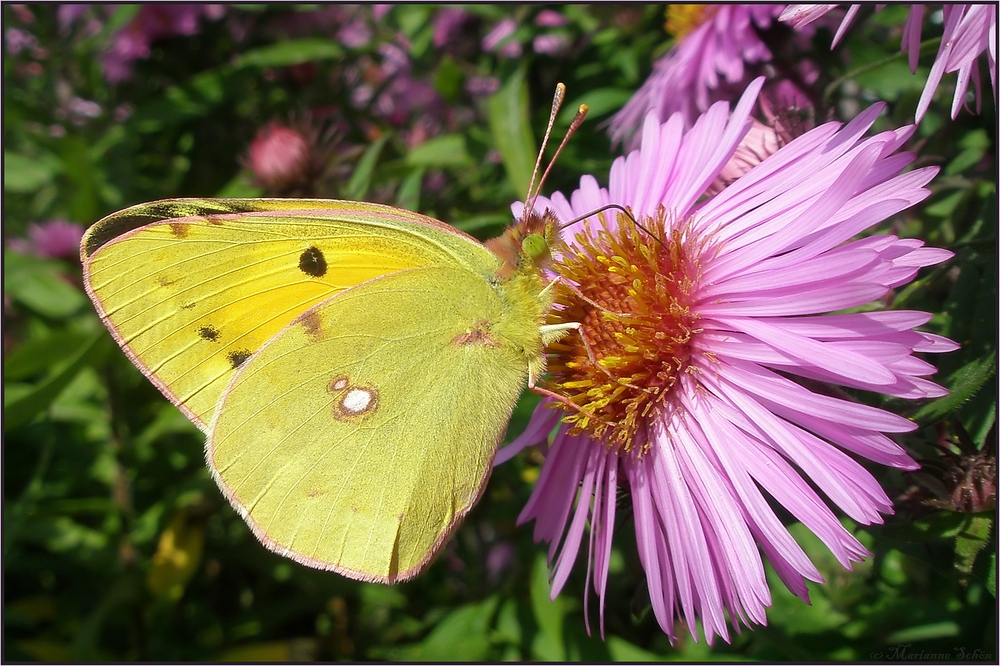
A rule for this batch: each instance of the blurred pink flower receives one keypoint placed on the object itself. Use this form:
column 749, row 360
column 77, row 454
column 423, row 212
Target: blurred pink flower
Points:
column 279, row 157
column 153, row 22
column 786, row 113
column 693, row 389
column 500, row 39
column 56, row 239
column 969, row 31
column 714, row 44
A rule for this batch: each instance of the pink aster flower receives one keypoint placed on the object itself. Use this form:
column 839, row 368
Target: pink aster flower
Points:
column 969, row 31
column 695, row 380
column 708, row 62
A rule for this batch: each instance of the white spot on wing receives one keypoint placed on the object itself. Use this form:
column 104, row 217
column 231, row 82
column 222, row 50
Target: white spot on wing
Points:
column 351, row 401
column 356, row 400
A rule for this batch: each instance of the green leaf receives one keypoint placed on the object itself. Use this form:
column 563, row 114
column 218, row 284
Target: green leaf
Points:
column 361, row 179
column 484, row 221
column 441, row 151
column 549, row 643
column 462, row 635
column 40, row 285
column 29, row 174
column 409, row 191
column 510, row 125
column 964, row 383
column 991, row 574
column 22, row 407
column 448, row 79
column 240, row 187
column 195, row 98
column 508, row 627
column 937, row 525
column 41, row 353
column 599, row 102
column 974, row 145
column 621, row 650
column 945, row 629
column 970, row 542
column 292, row 52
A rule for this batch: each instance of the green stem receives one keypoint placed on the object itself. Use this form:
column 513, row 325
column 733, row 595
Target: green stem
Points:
column 925, row 48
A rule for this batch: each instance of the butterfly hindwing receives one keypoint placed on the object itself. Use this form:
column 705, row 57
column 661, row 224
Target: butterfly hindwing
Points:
column 358, row 437
column 191, row 288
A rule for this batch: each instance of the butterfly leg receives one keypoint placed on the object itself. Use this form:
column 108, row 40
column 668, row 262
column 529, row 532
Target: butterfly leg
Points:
column 559, row 279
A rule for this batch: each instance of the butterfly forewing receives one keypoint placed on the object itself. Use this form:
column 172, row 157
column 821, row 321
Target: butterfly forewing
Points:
column 191, row 298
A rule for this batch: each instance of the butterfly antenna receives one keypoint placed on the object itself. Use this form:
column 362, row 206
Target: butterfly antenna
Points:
column 581, row 113
column 624, row 211
column 557, row 101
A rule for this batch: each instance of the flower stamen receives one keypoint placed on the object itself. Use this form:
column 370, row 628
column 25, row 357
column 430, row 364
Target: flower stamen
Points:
column 632, row 295
column 683, row 19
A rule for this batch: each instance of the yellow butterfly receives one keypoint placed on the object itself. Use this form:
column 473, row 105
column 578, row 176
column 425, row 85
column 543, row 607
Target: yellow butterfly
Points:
column 353, row 365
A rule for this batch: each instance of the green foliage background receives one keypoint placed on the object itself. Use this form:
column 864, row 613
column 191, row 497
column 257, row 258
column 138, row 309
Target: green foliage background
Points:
column 118, row 546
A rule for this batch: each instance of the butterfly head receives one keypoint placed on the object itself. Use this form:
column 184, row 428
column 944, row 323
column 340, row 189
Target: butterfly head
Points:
column 526, row 246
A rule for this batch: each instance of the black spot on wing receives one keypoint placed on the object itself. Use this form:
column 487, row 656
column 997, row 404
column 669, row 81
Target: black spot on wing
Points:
column 312, row 262
column 209, row 333
column 238, row 357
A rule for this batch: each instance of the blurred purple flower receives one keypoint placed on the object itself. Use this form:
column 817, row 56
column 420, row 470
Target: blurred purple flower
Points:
column 481, row 86
column 17, row 40
column 448, row 24
column 56, row 239
column 707, row 62
column 499, row 558
column 401, row 96
column 69, row 13
column 81, row 109
column 550, row 19
column 355, row 34
column 551, row 44
column 694, row 388
column 22, row 13
column 500, row 39
column 394, row 59
column 153, row 22
column 969, row 31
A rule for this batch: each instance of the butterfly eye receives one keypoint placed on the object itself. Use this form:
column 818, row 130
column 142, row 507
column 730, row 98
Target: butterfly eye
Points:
column 534, row 246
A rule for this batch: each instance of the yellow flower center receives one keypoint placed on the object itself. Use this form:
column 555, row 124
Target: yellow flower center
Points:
column 682, row 19
column 637, row 324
